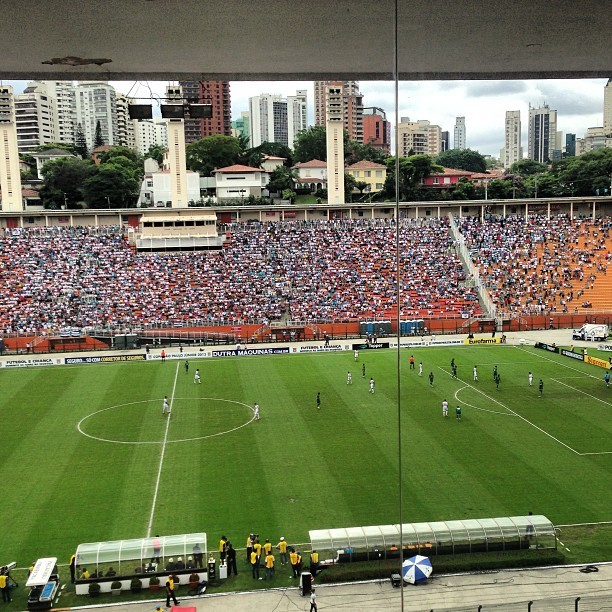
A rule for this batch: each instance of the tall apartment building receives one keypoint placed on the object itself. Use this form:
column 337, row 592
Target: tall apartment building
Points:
column 277, row 119
column 445, row 142
column 34, row 117
column 352, row 101
column 64, row 96
column 216, row 93
column 149, row 132
column 420, row 137
column 97, row 101
column 334, row 133
column 607, row 112
column 242, row 125
column 376, row 129
column 542, row 138
column 126, row 134
column 459, row 140
column 513, row 150
column 10, row 175
column 570, row 145
column 595, row 138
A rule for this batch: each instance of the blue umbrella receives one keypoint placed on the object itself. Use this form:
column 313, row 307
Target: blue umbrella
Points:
column 416, row 569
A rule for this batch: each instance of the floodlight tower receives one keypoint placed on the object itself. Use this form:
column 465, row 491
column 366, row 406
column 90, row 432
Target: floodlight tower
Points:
column 334, row 129
column 176, row 158
column 10, row 175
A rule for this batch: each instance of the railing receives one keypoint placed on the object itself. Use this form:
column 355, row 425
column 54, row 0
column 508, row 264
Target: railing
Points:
column 467, row 262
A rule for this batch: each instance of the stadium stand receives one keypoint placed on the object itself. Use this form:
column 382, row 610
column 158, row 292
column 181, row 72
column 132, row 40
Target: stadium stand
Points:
column 542, row 266
column 78, row 277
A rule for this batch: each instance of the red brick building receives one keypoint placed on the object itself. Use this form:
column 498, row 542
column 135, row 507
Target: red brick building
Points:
column 216, row 93
column 376, row 129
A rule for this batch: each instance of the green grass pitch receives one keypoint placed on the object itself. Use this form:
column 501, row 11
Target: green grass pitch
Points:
column 81, row 446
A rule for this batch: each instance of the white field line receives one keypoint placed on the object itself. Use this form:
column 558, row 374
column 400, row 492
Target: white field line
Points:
column 516, row 414
column 583, row 392
column 564, row 365
column 163, row 453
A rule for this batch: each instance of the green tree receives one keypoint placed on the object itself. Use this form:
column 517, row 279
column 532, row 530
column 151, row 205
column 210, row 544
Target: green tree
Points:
column 361, row 186
column 465, row 190
column 254, row 156
column 98, row 138
column 125, row 159
column 356, row 152
column 157, row 153
column 527, row 167
column 282, row 178
column 212, row 152
column 412, row 171
column 462, row 159
column 63, row 181
column 62, row 146
column 310, row 144
column 583, row 175
column 80, row 143
column 350, row 183
column 110, row 187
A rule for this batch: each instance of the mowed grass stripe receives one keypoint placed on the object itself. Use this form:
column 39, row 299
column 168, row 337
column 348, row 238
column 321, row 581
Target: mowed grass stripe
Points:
column 295, row 469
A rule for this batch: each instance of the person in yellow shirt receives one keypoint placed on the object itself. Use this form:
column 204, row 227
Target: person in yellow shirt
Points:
column 267, row 547
column 222, row 549
column 85, row 574
column 170, row 591
column 293, row 559
column 257, row 549
column 269, row 566
column 4, row 587
column 254, row 564
column 314, row 563
column 282, row 548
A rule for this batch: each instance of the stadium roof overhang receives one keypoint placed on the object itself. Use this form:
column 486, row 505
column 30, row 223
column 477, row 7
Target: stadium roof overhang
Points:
column 343, row 39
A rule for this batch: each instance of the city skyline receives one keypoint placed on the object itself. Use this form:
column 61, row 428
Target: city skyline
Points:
column 579, row 102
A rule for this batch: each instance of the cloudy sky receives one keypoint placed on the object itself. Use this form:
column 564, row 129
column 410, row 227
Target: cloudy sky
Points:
column 483, row 103
column 579, row 103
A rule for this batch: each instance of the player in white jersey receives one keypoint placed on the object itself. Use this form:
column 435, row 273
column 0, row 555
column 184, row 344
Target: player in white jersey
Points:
column 349, row 378
column 256, row 411
column 356, row 354
column 475, row 373
column 165, row 406
column 420, row 368
column 196, row 377
column 371, row 385
column 530, row 379
column 445, row 408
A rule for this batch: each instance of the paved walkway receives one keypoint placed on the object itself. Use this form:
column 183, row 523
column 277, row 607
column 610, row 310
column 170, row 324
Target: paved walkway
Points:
column 550, row 589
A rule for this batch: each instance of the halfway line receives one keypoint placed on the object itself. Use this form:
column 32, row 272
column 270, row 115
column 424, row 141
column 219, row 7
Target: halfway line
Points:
column 163, row 453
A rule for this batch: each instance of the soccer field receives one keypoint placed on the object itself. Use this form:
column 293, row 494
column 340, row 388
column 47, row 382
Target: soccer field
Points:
column 88, row 456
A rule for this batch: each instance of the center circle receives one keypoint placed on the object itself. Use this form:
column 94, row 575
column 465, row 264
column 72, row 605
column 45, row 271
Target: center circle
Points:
column 142, row 422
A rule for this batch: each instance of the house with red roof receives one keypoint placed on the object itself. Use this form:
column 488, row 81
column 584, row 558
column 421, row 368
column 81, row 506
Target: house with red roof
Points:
column 238, row 182
column 447, row 179
column 311, row 175
column 369, row 172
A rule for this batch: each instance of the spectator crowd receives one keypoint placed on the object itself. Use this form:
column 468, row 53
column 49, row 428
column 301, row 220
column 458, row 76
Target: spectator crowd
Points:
column 538, row 265
column 83, row 277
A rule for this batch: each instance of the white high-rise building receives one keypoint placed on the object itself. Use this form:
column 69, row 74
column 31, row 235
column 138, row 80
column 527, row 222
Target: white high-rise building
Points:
column 126, row 136
column 542, row 134
column 607, row 113
column 276, row 119
column 334, row 131
column 97, row 102
column 11, row 199
column 460, row 135
column 420, row 137
column 513, row 150
column 149, row 133
column 63, row 94
column 34, row 117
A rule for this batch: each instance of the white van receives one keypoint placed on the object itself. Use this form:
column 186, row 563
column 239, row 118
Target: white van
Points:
column 592, row 332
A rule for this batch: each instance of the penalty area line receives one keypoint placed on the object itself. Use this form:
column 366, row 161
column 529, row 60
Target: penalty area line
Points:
column 162, row 455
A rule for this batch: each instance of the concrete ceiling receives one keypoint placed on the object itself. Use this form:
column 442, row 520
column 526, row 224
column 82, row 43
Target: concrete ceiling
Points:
column 304, row 40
